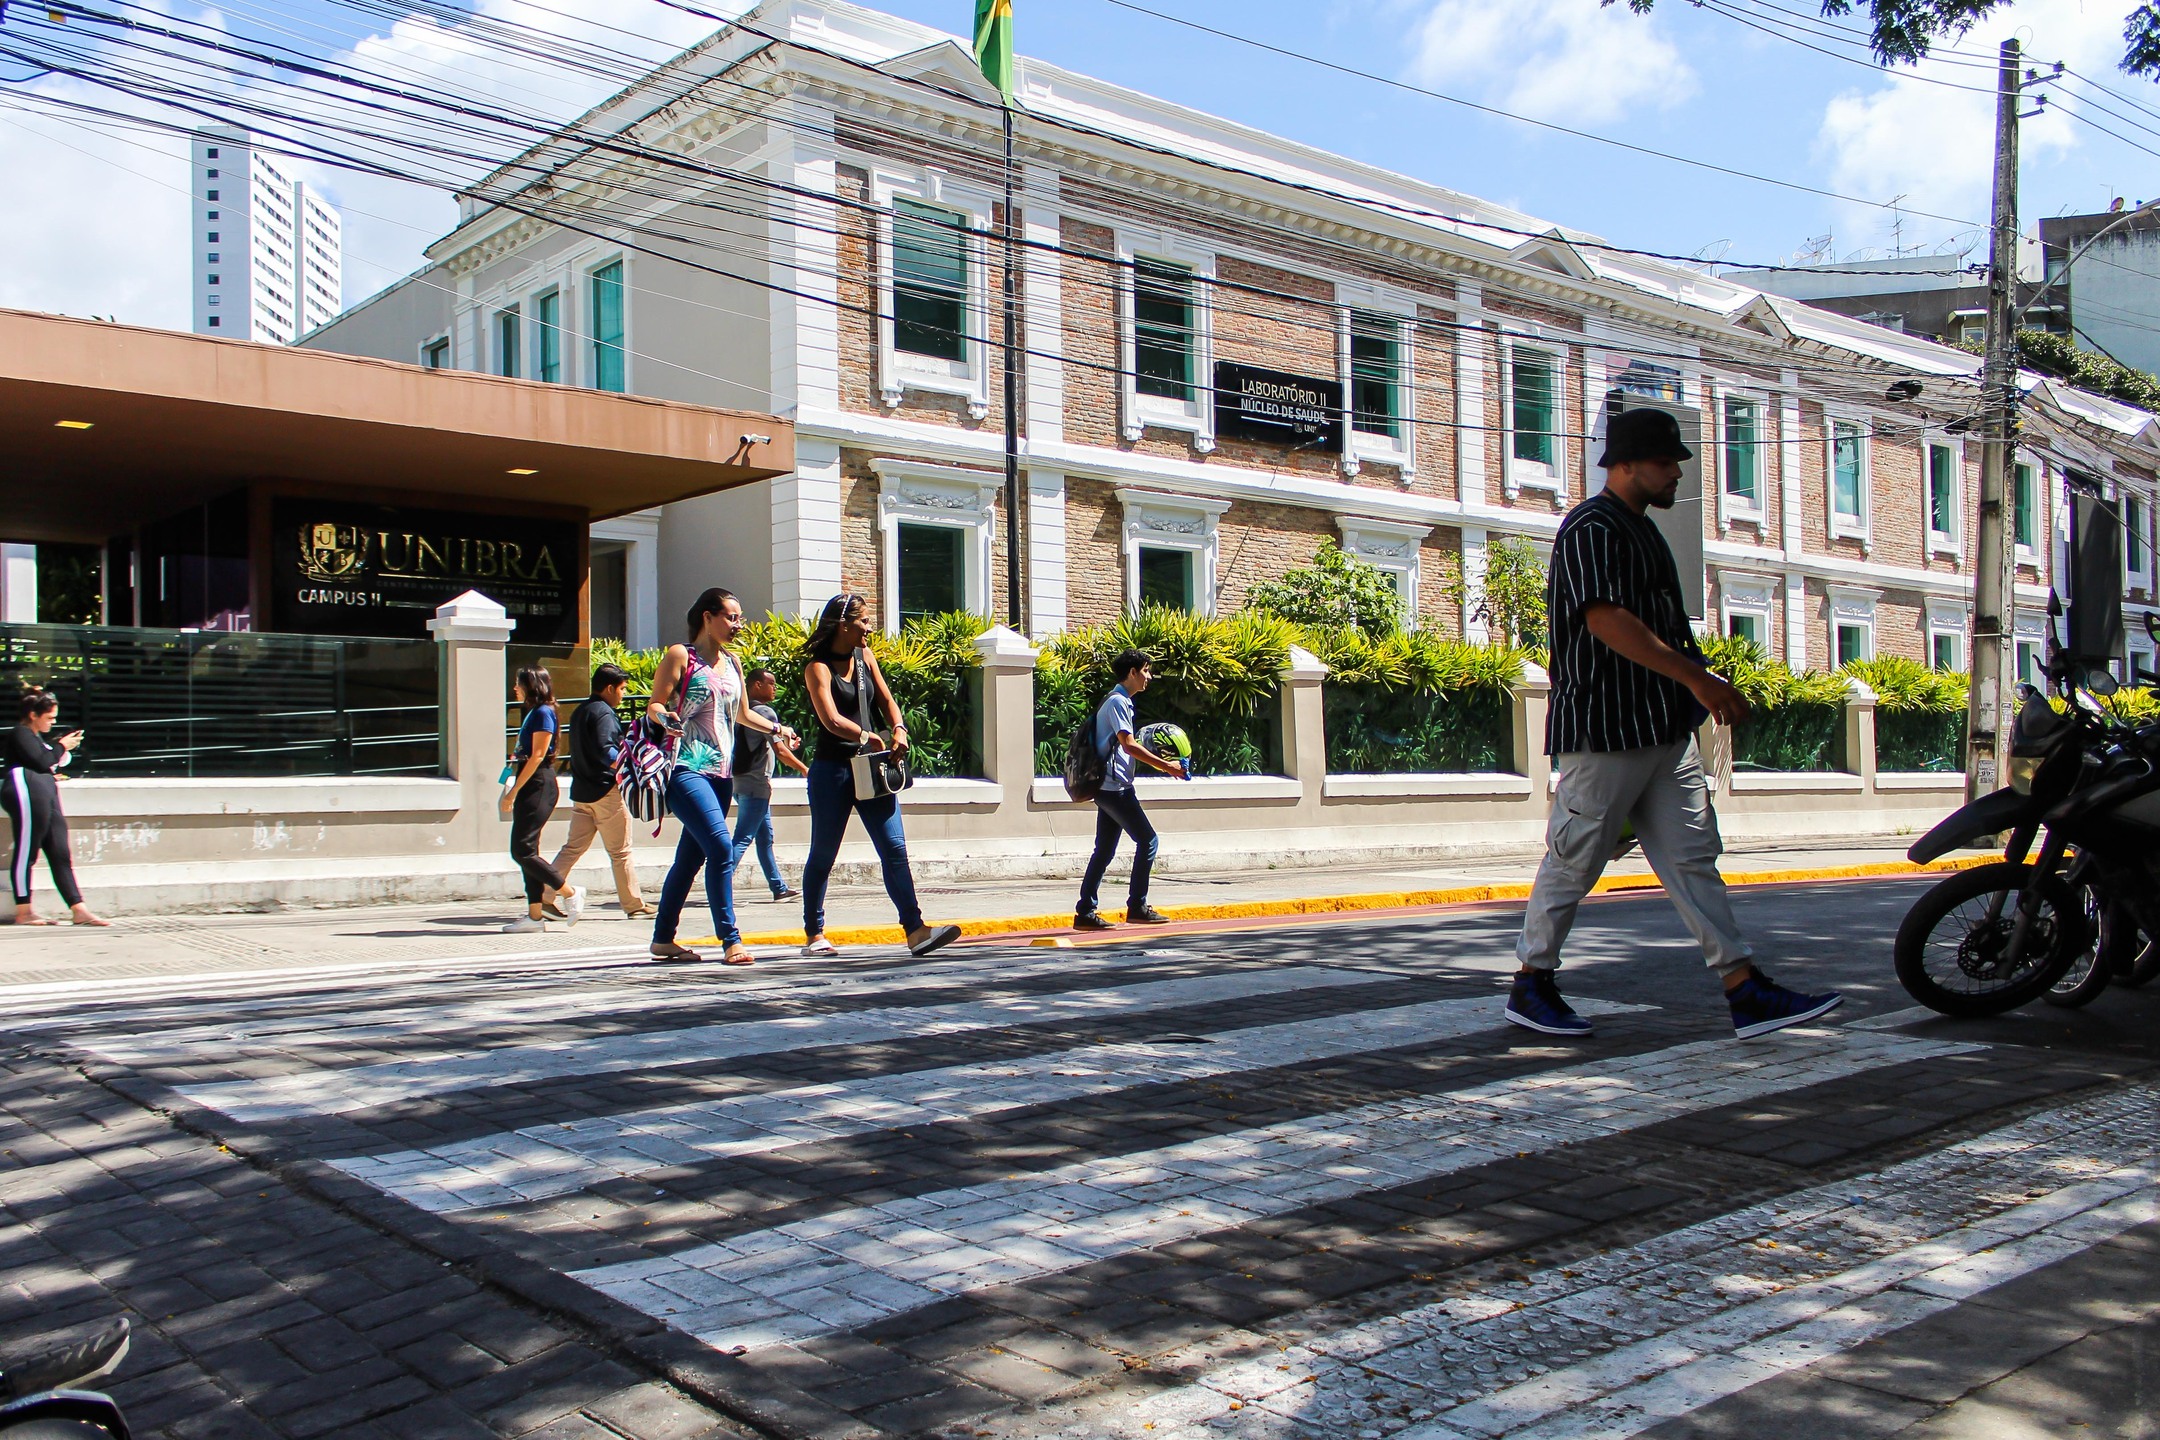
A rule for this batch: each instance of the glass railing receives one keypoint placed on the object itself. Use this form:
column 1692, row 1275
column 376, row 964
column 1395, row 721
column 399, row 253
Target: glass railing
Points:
column 155, row 704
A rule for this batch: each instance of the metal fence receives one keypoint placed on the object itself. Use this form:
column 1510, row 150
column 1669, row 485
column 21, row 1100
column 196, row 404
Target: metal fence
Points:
column 217, row 704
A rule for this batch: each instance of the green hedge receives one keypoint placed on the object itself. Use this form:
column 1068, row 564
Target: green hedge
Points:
column 1219, row 679
column 1410, row 703
column 1919, row 714
column 1797, row 721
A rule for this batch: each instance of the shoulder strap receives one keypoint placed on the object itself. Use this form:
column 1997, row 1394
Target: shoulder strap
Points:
column 862, row 691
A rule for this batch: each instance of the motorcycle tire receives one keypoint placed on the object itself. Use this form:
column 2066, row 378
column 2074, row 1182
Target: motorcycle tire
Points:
column 1956, row 972
column 2095, row 965
column 2140, row 963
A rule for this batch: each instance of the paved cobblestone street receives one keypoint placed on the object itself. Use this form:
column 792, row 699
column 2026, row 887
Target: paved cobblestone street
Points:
column 1296, row 1181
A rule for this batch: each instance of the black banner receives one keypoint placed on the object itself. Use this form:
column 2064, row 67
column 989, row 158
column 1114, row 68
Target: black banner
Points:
column 342, row 569
column 1294, row 410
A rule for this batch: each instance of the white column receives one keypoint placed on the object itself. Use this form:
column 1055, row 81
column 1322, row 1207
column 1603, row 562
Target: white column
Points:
column 806, row 529
column 1790, row 494
column 805, row 329
column 1472, row 343
column 1046, row 552
column 1796, row 618
column 473, row 633
column 1473, row 570
column 1043, row 299
column 18, row 584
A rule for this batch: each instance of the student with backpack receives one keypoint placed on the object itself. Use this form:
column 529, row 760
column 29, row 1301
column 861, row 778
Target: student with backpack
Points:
column 1117, row 804
column 595, row 746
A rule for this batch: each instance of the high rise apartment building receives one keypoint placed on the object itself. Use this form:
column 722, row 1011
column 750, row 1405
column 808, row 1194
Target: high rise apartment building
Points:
column 267, row 262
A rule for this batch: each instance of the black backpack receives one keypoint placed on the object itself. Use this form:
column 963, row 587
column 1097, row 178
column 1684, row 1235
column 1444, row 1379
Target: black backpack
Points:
column 1084, row 763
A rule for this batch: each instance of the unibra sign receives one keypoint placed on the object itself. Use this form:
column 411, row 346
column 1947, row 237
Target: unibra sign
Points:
column 1299, row 411
column 343, row 569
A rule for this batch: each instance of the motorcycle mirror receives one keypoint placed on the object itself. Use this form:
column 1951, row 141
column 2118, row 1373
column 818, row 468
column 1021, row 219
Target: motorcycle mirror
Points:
column 2055, row 605
column 2101, row 682
column 2152, row 626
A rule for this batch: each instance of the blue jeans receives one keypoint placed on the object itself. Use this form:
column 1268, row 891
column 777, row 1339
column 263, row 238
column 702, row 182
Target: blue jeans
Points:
column 832, row 796
column 1118, row 812
column 700, row 802
column 753, row 822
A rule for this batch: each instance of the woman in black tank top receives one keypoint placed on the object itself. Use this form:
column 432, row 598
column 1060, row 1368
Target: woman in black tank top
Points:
column 840, row 673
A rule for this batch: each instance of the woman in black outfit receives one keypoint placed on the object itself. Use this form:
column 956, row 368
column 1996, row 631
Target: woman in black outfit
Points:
column 30, row 793
column 528, row 798
column 846, row 687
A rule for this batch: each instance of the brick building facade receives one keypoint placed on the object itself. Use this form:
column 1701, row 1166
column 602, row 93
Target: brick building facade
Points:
column 847, row 193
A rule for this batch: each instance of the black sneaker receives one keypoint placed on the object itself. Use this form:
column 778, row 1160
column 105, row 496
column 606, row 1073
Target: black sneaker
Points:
column 1535, row 1004
column 65, row 1367
column 1090, row 920
column 1146, row 915
column 1761, row 1005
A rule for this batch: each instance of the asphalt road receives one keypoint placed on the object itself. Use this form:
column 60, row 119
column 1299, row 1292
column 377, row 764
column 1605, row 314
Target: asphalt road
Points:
column 1296, row 1180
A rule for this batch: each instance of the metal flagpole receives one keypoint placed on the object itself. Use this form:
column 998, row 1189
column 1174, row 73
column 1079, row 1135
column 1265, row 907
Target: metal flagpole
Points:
column 1013, row 557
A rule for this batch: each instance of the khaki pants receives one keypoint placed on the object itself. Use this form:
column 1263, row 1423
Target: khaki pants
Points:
column 1661, row 789
column 606, row 818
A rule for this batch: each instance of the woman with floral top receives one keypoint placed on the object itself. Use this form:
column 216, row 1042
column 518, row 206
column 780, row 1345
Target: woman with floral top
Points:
column 711, row 700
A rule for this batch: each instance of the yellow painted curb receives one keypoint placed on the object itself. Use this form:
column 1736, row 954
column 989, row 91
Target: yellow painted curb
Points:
column 1349, row 904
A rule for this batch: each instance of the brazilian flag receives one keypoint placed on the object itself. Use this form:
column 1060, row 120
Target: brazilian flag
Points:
column 994, row 45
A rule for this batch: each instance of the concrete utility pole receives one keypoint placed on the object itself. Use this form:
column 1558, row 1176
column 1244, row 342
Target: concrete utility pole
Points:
column 1987, row 753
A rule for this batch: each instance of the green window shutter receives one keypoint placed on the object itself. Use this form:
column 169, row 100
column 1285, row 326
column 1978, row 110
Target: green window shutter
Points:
column 932, row 570
column 1942, row 490
column 506, row 342
column 547, row 337
column 1743, row 451
column 2025, row 506
column 1163, row 331
column 607, row 327
column 1846, row 463
column 929, row 281
column 1535, row 407
column 1376, row 375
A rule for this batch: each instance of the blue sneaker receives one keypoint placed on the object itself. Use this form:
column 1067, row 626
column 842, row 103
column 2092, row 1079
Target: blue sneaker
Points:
column 1761, row 1005
column 1535, row 1004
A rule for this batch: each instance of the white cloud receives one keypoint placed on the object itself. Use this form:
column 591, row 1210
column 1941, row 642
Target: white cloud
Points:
column 102, row 228
column 1906, row 134
column 1574, row 61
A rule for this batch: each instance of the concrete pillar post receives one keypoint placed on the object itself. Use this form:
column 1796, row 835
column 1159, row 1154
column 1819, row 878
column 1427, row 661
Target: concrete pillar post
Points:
column 18, row 584
column 1860, row 733
column 1008, row 713
column 474, row 635
column 1530, row 759
column 1304, row 725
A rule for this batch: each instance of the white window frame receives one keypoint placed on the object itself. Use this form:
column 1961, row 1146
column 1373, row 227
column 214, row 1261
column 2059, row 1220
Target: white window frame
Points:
column 1851, row 605
column 1396, row 549
column 589, row 348
column 1839, row 527
column 941, row 495
column 442, row 338
column 1954, row 619
column 900, row 371
column 1939, row 542
column 2132, row 578
column 1518, row 475
column 1171, row 522
column 2030, row 554
column 1360, row 446
column 2029, row 627
column 1752, row 596
column 1731, row 509
column 1196, row 416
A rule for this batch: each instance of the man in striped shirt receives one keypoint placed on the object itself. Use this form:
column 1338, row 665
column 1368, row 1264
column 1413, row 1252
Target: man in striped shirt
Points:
column 1629, row 686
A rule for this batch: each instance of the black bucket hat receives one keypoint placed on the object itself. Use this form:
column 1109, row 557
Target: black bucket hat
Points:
column 1643, row 434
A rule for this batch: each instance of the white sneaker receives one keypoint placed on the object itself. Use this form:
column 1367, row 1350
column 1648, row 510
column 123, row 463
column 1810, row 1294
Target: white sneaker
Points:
column 524, row 925
column 573, row 904
column 821, row 948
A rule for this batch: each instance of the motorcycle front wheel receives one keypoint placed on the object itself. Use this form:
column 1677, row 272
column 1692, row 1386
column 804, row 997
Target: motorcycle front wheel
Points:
column 1953, row 948
column 2097, row 962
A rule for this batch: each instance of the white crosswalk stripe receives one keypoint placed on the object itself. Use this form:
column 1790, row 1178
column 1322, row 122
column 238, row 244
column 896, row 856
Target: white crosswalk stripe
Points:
column 1703, row 1312
column 855, row 1266
column 559, row 1159
column 333, row 1092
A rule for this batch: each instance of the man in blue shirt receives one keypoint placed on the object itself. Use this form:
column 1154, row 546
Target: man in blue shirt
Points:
column 1117, row 804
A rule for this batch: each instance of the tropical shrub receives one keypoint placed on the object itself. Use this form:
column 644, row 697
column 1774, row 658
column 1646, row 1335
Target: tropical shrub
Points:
column 1797, row 722
column 1338, row 589
column 1511, row 602
column 1412, row 702
column 1219, row 679
column 1919, row 713
column 931, row 667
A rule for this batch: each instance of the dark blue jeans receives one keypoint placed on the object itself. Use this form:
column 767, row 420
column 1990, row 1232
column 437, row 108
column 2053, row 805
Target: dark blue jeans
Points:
column 753, row 825
column 1118, row 812
column 832, row 796
column 700, row 802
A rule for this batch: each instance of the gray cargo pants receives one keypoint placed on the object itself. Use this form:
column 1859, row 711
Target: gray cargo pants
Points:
column 1661, row 789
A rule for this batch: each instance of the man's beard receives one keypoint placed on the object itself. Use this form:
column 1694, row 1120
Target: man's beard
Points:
column 1666, row 499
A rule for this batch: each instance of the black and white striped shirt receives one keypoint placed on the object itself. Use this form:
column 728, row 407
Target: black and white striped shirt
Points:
column 1601, row 700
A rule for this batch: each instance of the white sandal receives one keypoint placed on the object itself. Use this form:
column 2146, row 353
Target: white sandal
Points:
column 821, row 948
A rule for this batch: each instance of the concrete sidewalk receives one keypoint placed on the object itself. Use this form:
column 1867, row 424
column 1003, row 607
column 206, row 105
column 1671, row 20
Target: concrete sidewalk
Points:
column 137, row 950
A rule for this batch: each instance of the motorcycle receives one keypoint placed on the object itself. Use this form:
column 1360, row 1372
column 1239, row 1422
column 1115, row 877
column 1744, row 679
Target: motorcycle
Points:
column 2074, row 917
column 39, row 1394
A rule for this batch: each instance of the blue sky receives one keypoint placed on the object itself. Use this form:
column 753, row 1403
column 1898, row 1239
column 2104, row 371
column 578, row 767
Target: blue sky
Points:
column 106, row 232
